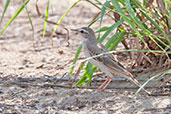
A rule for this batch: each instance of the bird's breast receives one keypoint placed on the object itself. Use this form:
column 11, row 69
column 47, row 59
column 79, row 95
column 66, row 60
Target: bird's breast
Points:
column 87, row 55
column 85, row 49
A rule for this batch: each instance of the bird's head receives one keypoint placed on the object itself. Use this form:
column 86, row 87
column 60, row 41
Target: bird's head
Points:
column 87, row 33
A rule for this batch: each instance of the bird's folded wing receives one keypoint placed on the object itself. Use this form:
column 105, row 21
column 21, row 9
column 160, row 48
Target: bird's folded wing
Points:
column 94, row 50
column 106, row 59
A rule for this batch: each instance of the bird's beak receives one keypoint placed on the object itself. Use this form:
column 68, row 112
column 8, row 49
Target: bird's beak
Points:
column 75, row 30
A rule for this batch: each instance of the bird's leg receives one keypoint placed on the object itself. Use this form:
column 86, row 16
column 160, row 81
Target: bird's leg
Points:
column 99, row 89
column 109, row 80
column 104, row 85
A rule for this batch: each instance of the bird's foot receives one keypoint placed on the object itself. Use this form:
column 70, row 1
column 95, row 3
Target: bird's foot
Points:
column 104, row 85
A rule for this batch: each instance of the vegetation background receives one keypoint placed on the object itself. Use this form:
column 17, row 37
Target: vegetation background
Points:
column 37, row 48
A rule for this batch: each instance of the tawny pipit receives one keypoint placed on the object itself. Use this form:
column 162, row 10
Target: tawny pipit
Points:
column 106, row 63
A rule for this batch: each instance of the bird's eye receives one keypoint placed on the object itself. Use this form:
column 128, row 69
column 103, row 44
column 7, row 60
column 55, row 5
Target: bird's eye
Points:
column 82, row 31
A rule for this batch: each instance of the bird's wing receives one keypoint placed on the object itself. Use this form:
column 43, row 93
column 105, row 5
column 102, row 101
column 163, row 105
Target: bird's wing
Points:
column 107, row 60
column 111, row 63
column 101, row 46
column 94, row 50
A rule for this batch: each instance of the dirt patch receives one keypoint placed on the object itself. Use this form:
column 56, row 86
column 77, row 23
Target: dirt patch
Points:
column 18, row 59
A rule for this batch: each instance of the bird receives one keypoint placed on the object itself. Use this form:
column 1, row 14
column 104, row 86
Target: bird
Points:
column 106, row 62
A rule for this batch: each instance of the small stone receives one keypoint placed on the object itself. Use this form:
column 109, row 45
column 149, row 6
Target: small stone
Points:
column 61, row 51
column 132, row 105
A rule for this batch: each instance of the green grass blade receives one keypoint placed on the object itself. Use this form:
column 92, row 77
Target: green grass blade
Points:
column 151, row 20
column 127, row 19
column 149, row 51
column 46, row 17
column 122, row 2
column 14, row 16
column 30, row 20
column 117, row 41
column 75, row 59
column 84, row 77
column 103, row 10
column 147, row 32
column 94, row 21
column 145, row 2
column 60, row 20
column 102, row 29
column 6, row 6
column 156, row 76
column 111, row 28
column 156, row 25
column 88, row 73
column 145, row 11
column 138, row 3
column 91, row 70
column 112, row 39
column 97, row 18
column 81, row 81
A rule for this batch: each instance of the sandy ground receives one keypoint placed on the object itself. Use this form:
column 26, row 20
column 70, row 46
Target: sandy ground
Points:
column 25, row 71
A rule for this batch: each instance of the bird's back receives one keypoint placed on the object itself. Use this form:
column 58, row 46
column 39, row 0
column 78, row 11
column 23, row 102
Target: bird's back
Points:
column 106, row 59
